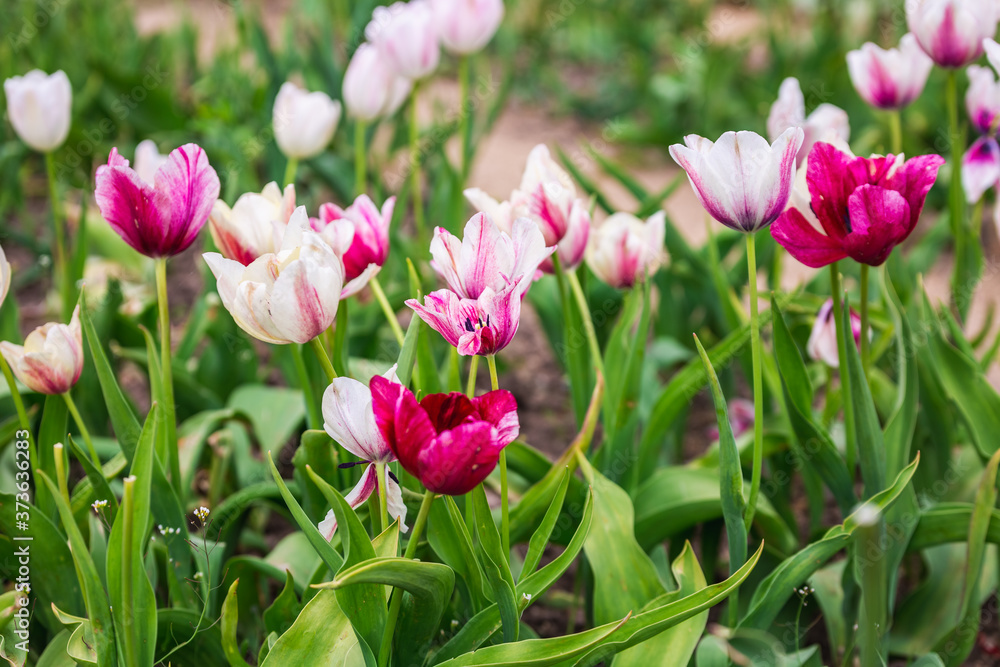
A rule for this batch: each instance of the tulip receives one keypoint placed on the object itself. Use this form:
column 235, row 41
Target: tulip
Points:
column 304, row 122
column 822, row 344
column 951, row 32
column 372, row 87
column 162, row 218
column 466, row 26
column 39, row 108
column 361, row 233
column 826, row 123
column 982, row 100
column 148, row 160
column 889, row 79
column 51, row 359
column 449, row 442
column 623, row 250
column 286, row 297
column 407, row 35
column 740, row 180
column 4, row 276
column 865, row 206
column 482, row 326
column 349, row 418
column 255, row 225
column 981, row 168
column 992, row 49
column 488, row 258
column 740, row 418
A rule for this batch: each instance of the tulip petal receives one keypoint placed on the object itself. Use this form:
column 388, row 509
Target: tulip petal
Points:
column 456, row 461
column 446, row 411
column 879, row 221
column 499, row 408
column 913, row 181
column 804, row 242
column 361, row 492
column 441, row 312
column 186, row 188
column 404, row 425
column 349, row 418
column 129, row 205
column 980, row 168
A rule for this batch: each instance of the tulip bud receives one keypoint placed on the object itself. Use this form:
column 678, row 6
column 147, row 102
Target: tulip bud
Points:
column 466, row 26
column 4, row 276
column 889, row 79
column 982, row 100
column 372, row 88
column 951, row 32
column 51, row 359
column 304, row 122
column 407, row 35
column 255, row 225
column 624, row 250
column 39, row 108
column 822, row 343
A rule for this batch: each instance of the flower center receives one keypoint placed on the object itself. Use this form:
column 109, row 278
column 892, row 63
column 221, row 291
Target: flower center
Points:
column 472, row 328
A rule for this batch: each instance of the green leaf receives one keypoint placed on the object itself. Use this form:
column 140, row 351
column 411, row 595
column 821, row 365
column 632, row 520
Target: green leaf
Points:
column 450, row 540
column 95, row 600
column 80, row 645
column 320, row 635
column 495, row 565
column 230, row 615
column 274, row 412
column 97, row 480
column 902, row 423
column 949, row 522
column 408, row 353
column 540, row 539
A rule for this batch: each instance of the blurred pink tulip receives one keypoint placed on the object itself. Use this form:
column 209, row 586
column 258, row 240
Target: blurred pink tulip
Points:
column 39, row 106
column 992, row 49
column 982, row 100
column 286, row 297
column 740, row 418
column 407, row 34
column 255, row 225
column 889, row 78
column 742, row 182
column 372, row 87
column 304, row 122
column 822, row 343
column 951, row 32
column 624, row 250
column 4, row 276
column 51, row 359
column 981, row 168
column 466, row 26
column 360, row 233
column 162, row 218
column 826, row 123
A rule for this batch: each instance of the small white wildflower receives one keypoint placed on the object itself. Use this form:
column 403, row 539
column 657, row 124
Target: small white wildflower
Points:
column 526, row 597
column 163, row 531
column 98, row 505
column 198, row 575
column 202, row 513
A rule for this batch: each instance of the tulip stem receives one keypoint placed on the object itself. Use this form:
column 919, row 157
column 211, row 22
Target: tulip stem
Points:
column 504, row 501
column 396, row 598
column 290, row 169
column 390, row 314
column 22, row 414
column 588, row 322
column 62, row 268
column 128, row 533
column 896, row 131
column 167, row 372
column 838, row 327
column 865, row 344
column 416, row 194
column 758, row 389
column 383, row 511
column 313, row 412
column 71, row 404
column 360, row 162
column 57, row 454
column 324, row 359
column 464, row 114
column 470, row 387
column 956, row 193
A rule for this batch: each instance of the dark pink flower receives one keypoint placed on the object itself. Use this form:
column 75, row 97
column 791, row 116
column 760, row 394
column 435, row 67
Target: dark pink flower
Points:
column 162, row 218
column 363, row 230
column 981, row 168
column 865, row 206
column 449, row 442
column 481, row 326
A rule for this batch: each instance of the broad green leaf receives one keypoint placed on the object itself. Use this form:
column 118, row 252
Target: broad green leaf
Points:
column 80, row 645
column 11, row 647
column 275, row 412
column 321, row 635
column 949, row 522
column 56, row 652
column 540, row 539
column 97, row 480
column 902, row 423
column 450, row 540
column 494, row 562
column 230, row 615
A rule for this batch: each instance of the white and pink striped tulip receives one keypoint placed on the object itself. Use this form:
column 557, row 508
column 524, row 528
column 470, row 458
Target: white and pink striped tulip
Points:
column 889, row 78
column 51, row 359
column 360, row 234
column 951, row 32
column 827, row 122
column 407, row 34
column 625, row 250
column 255, row 225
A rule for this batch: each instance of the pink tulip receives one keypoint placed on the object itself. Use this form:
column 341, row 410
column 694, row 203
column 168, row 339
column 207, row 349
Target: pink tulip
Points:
column 826, row 123
column 255, row 225
column 350, row 420
column 481, row 326
column 865, row 206
column 362, row 231
column 981, row 168
column 4, row 276
column 742, row 182
column 449, row 442
column 889, row 79
column 982, row 100
column 951, row 32
column 162, row 218
column 822, row 343
column 51, row 359
column 304, row 122
column 466, row 26
column 992, row 49
column 407, row 35
column 741, row 418
column 39, row 106
column 624, row 249
column 372, row 87
column 488, row 258
column 286, row 297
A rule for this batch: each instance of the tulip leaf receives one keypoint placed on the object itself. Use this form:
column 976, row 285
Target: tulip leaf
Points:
column 494, row 563
column 487, row 622
column 450, row 539
column 97, row 480
column 902, row 423
column 949, row 522
column 774, row 591
column 320, row 635
column 80, row 646
column 540, row 539
column 133, row 603
column 408, row 353
column 94, row 598
column 51, row 430
column 230, row 614
column 813, row 446
column 274, row 412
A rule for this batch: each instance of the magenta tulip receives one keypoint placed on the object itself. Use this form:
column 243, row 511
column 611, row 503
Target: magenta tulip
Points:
column 889, row 78
column 449, row 442
column 162, row 218
column 360, row 234
column 481, row 326
column 952, row 31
